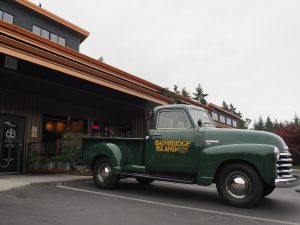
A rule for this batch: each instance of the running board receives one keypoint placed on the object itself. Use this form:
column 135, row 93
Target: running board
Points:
column 162, row 178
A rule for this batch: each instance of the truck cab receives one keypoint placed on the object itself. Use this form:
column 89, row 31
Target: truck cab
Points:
column 183, row 145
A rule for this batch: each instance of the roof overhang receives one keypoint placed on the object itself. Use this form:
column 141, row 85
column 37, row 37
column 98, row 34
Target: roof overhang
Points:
column 24, row 45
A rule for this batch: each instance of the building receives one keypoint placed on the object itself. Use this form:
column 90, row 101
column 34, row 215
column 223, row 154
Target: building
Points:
column 48, row 87
column 224, row 118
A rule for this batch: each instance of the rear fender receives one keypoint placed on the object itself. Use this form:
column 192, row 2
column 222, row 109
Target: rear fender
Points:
column 260, row 156
column 109, row 150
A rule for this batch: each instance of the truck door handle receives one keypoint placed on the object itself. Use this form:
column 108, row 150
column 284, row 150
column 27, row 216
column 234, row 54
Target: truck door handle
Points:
column 156, row 134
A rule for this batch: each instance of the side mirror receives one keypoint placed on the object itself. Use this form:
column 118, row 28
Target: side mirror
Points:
column 200, row 123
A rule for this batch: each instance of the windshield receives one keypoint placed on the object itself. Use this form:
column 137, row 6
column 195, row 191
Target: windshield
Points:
column 203, row 115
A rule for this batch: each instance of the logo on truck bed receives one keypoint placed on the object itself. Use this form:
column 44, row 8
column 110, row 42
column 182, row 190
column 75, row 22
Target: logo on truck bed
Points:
column 180, row 146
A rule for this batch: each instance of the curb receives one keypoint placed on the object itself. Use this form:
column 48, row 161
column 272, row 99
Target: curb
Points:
column 52, row 183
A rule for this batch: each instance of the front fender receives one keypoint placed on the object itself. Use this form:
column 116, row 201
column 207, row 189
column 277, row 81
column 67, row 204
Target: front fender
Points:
column 260, row 156
column 109, row 150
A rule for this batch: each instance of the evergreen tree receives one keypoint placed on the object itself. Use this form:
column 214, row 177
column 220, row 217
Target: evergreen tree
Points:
column 241, row 115
column 259, row 125
column 175, row 88
column 276, row 125
column 296, row 120
column 225, row 106
column 269, row 126
column 185, row 93
column 199, row 95
column 232, row 109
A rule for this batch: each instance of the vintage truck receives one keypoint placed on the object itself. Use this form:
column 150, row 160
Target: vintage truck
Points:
column 183, row 145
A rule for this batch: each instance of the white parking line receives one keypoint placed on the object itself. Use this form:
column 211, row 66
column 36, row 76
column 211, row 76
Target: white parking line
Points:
column 181, row 207
column 215, row 189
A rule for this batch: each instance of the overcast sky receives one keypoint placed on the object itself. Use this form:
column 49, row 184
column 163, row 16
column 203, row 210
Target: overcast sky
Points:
column 244, row 52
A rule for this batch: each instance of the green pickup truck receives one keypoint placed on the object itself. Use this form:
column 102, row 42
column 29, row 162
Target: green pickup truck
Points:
column 183, row 145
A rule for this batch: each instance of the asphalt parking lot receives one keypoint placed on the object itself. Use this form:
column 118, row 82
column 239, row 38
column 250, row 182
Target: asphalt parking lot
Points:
column 134, row 204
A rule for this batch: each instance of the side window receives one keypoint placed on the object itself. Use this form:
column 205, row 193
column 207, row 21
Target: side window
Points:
column 176, row 119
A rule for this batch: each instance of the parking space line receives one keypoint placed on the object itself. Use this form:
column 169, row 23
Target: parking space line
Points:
column 215, row 189
column 180, row 206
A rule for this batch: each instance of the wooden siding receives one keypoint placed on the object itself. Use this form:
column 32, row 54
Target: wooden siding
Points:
column 32, row 108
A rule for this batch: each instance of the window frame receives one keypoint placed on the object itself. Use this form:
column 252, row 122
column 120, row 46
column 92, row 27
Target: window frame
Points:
column 2, row 17
column 229, row 121
column 50, row 35
column 172, row 110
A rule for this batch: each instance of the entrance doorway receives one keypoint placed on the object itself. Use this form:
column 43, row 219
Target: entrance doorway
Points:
column 11, row 142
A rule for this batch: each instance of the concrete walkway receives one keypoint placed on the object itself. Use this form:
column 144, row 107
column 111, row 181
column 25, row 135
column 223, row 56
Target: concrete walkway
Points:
column 14, row 181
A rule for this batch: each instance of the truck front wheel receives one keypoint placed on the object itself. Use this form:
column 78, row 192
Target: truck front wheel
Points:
column 103, row 176
column 239, row 185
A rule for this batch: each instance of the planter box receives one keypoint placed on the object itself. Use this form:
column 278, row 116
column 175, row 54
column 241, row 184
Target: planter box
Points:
column 63, row 165
column 47, row 166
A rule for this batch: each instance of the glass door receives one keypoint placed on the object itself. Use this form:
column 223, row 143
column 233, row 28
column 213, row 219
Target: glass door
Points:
column 11, row 142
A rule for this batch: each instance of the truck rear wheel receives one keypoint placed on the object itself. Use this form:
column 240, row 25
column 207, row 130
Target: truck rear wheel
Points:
column 103, row 175
column 239, row 185
column 144, row 181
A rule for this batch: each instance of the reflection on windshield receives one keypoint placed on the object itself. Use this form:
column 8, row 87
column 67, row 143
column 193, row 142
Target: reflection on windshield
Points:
column 203, row 115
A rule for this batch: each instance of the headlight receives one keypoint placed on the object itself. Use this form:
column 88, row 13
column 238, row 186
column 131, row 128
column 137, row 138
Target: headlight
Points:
column 277, row 153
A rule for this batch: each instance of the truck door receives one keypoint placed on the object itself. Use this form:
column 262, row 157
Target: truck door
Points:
column 171, row 146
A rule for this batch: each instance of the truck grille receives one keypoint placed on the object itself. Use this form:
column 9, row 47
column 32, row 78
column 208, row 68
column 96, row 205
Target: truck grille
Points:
column 284, row 166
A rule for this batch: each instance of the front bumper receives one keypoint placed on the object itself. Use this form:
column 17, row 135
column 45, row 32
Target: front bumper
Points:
column 287, row 182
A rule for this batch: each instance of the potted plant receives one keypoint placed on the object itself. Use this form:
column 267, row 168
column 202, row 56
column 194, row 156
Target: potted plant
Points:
column 47, row 163
column 71, row 146
column 34, row 160
column 63, row 161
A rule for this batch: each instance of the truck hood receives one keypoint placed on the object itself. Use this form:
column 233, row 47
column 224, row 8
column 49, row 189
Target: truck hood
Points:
column 221, row 136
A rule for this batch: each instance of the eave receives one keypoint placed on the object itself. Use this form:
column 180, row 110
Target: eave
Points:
column 25, row 45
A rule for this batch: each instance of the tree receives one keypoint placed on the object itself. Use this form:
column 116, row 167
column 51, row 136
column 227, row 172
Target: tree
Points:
column 232, row 109
column 175, row 88
column 291, row 136
column 296, row 120
column 200, row 96
column 185, row 93
column 269, row 126
column 259, row 125
column 225, row 106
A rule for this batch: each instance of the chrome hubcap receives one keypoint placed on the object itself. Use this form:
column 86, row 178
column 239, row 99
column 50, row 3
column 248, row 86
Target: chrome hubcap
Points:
column 237, row 185
column 104, row 172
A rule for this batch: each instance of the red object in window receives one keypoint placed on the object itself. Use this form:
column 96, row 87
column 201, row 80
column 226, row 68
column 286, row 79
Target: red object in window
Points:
column 95, row 127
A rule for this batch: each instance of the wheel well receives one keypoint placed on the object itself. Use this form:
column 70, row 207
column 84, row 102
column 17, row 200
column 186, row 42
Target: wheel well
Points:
column 232, row 161
column 96, row 158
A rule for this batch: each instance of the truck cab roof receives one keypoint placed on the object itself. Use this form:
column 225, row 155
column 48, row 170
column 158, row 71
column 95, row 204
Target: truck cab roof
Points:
column 179, row 106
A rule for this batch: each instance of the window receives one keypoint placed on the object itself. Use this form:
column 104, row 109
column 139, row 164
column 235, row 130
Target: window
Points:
column 222, row 119
column 61, row 41
column 54, row 37
column 55, row 126
column 215, row 116
column 234, row 123
column 10, row 62
column 203, row 115
column 229, row 121
column 48, row 35
column 6, row 17
column 176, row 119
column 100, row 129
column 36, row 30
